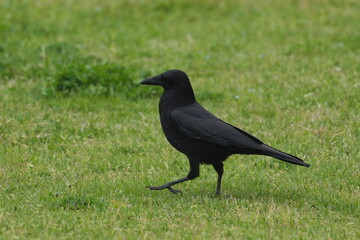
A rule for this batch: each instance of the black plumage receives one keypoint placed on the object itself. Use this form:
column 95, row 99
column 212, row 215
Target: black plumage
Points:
column 199, row 134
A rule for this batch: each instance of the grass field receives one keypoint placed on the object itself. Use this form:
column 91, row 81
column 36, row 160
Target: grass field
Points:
column 80, row 139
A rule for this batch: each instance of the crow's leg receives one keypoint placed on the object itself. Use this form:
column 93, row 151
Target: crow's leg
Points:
column 219, row 168
column 169, row 184
column 194, row 172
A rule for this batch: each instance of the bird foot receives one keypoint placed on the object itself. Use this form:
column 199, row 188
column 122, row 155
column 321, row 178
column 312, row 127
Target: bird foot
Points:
column 174, row 191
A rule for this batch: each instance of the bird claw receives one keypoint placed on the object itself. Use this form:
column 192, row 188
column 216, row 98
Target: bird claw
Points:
column 174, row 191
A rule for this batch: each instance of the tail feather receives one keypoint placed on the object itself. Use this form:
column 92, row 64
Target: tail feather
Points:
column 284, row 156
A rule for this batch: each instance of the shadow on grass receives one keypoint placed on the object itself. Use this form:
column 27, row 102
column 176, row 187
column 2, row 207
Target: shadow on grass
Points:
column 296, row 197
column 315, row 200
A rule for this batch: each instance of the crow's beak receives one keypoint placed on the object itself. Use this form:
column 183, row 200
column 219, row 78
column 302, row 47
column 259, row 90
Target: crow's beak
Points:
column 152, row 81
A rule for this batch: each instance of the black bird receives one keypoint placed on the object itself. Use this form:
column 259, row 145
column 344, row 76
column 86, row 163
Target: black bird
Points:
column 199, row 134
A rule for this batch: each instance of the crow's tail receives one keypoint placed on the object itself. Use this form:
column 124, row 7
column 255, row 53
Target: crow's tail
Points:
column 269, row 151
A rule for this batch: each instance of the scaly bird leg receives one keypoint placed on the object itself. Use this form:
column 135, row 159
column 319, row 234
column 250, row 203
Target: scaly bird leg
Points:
column 169, row 184
column 194, row 172
column 219, row 168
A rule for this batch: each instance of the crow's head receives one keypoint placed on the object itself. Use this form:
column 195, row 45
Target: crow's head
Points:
column 170, row 80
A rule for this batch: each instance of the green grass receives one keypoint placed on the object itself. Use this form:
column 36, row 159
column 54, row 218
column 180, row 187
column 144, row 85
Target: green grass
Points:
column 75, row 160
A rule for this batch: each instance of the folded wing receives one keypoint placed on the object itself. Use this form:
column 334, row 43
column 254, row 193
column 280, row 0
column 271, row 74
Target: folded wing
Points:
column 197, row 123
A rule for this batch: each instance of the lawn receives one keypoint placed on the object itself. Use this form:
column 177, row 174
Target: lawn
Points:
column 80, row 139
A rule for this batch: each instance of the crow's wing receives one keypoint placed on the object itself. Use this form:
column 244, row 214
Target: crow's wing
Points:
column 197, row 123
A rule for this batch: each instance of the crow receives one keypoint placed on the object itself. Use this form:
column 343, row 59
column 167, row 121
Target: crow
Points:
column 200, row 135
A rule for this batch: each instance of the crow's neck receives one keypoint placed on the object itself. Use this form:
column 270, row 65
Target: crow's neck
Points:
column 174, row 99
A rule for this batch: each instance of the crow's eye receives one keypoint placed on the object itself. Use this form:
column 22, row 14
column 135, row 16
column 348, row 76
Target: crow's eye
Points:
column 162, row 77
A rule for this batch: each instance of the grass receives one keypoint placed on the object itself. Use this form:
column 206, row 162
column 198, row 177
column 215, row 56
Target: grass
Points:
column 75, row 160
